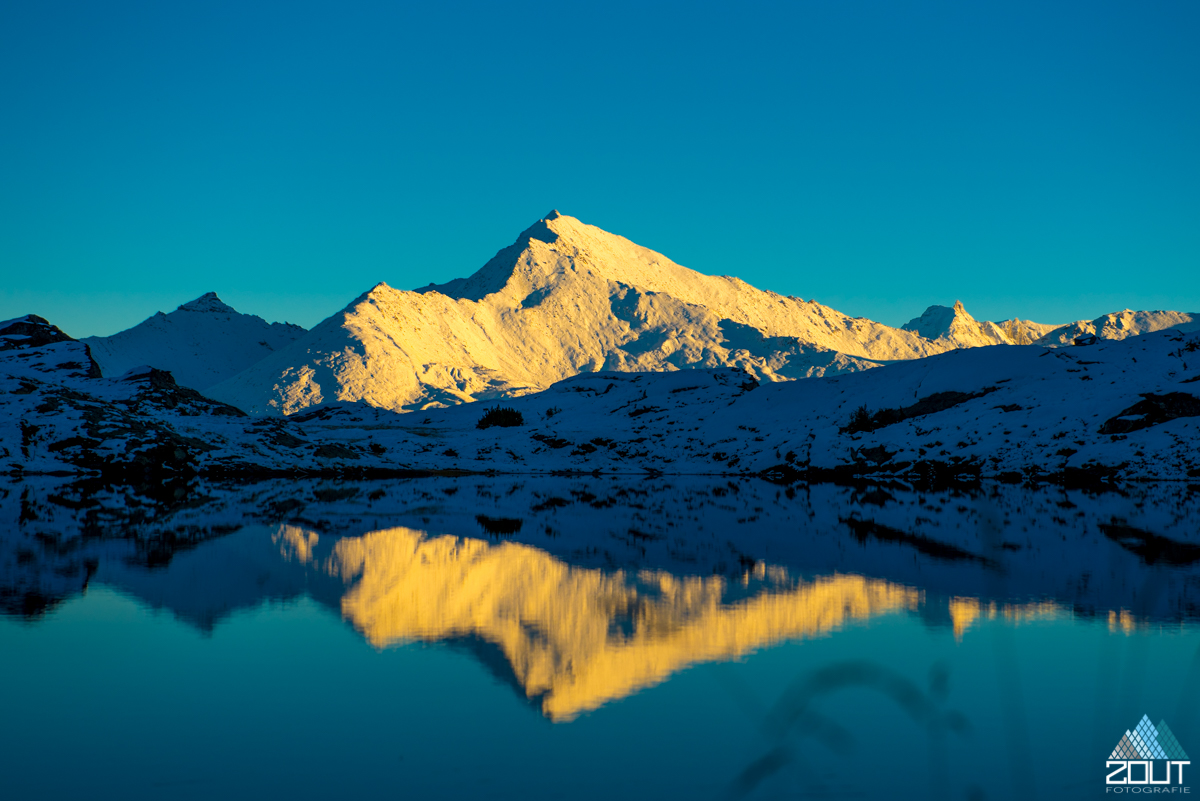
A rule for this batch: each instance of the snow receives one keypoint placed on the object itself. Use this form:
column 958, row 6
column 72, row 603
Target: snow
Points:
column 25, row 318
column 1023, row 410
column 953, row 325
column 683, row 374
column 1122, row 324
column 1038, row 411
column 208, row 302
column 30, row 331
column 201, row 343
column 568, row 298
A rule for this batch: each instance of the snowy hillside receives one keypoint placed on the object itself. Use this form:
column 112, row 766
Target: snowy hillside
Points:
column 59, row 415
column 201, row 343
column 1118, row 409
column 1122, row 324
column 566, row 298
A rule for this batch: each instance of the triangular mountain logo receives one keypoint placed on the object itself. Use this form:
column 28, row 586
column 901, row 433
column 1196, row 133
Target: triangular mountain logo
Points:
column 1148, row 741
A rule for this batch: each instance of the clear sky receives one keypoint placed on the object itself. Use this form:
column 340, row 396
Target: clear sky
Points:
column 1030, row 158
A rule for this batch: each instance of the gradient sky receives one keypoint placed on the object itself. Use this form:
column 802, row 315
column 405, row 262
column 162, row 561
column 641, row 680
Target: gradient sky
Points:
column 1033, row 159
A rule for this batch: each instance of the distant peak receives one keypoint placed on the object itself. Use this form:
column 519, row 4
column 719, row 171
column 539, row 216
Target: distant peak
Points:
column 208, row 302
column 553, row 215
column 937, row 320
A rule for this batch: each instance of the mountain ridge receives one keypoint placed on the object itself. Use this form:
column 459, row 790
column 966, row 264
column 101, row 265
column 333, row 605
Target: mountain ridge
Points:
column 201, row 343
column 567, row 298
column 1122, row 324
column 955, row 325
column 1120, row 409
column 564, row 298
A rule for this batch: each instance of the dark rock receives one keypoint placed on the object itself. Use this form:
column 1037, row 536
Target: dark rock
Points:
column 1153, row 410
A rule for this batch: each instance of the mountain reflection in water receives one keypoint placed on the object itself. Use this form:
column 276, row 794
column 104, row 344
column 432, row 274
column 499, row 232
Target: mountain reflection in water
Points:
column 593, row 588
column 577, row 637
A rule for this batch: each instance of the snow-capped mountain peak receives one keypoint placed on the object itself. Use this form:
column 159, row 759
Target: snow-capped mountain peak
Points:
column 1122, row 324
column 564, row 298
column 208, row 302
column 201, row 343
column 939, row 321
column 955, row 326
column 568, row 298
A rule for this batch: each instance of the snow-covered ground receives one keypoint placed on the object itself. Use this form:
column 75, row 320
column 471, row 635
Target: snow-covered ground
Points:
column 612, row 358
column 1125, row 409
column 1117, row 409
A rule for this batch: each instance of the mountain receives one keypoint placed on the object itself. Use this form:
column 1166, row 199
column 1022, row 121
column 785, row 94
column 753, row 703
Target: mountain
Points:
column 955, row 327
column 1118, row 409
column 58, row 414
column 565, row 298
column 201, row 343
column 1122, row 324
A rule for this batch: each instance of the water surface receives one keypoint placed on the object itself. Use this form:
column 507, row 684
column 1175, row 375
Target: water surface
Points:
column 589, row 638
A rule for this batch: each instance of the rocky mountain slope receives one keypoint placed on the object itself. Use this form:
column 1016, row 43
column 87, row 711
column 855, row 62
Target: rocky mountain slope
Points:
column 569, row 298
column 201, row 343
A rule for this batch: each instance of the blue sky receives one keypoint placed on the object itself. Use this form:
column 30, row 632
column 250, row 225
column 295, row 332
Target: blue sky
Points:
column 1029, row 158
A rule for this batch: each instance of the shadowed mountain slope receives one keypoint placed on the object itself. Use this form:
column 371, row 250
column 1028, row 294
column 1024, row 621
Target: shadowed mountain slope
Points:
column 201, row 343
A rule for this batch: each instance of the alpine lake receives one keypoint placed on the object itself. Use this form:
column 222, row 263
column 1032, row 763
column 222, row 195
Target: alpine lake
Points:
column 593, row 637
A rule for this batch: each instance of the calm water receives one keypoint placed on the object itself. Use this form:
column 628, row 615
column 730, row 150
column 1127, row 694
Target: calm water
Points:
column 589, row 638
